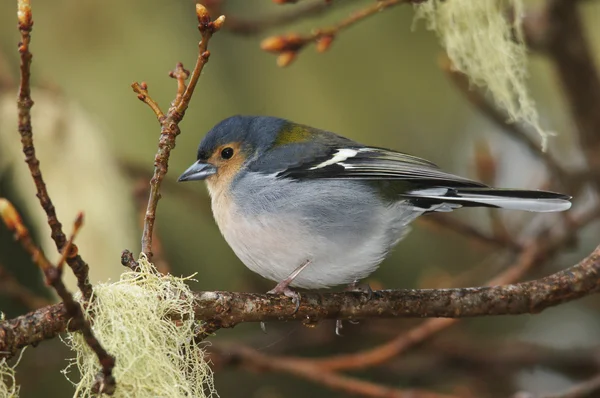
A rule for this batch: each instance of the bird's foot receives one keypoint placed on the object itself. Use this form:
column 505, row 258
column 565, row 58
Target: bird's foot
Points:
column 356, row 286
column 353, row 287
column 283, row 288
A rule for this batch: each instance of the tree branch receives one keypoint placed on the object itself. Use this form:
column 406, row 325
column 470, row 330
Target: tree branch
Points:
column 105, row 382
column 500, row 118
column 227, row 309
column 288, row 46
column 24, row 105
column 568, row 48
column 247, row 27
column 170, row 123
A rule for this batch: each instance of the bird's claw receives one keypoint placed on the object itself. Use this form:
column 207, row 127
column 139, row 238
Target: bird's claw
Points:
column 287, row 292
column 360, row 288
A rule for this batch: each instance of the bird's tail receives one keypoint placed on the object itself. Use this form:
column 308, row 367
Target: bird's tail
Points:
column 446, row 199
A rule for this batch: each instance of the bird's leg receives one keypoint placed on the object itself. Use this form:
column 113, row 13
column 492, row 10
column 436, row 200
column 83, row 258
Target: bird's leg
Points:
column 283, row 287
column 353, row 287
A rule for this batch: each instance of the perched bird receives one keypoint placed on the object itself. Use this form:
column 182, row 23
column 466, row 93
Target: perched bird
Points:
column 311, row 209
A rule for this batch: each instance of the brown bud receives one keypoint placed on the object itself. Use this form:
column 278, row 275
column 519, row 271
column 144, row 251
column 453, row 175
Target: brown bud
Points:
column 11, row 217
column 24, row 13
column 274, row 44
column 218, row 23
column 324, row 43
column 286, row 58
column 203, row 15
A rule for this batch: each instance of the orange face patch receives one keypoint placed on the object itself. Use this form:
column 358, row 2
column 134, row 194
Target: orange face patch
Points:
column 228, row 159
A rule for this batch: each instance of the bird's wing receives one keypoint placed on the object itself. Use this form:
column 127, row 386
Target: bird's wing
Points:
column 370, row 163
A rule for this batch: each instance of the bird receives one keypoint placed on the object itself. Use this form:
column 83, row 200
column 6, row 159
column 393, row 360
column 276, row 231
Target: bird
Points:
column 307, row 208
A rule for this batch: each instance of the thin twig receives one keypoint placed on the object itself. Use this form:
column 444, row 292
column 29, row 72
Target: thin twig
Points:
column 288, row 46
column 105, row 383
column 170, row 123
column 141, row 89
column 247, row 27
column 24, row 104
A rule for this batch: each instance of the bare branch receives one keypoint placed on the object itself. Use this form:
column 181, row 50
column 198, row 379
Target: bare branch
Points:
column 170, row 123
column 24, row 104
column 141, row 89
column 106, row 382
column 568, row 47
column 288, row 46
column 243, row 26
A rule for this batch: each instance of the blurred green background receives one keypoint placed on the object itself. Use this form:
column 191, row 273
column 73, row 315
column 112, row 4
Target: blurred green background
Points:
column 380, row 83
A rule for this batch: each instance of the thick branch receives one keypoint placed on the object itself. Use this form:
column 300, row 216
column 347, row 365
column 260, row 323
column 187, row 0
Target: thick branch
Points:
column 226, row 309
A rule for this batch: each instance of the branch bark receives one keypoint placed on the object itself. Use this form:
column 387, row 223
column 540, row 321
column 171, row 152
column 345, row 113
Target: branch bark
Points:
column 24, row 105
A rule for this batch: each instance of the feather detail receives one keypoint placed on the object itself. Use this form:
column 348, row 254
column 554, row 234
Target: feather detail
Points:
column 370, row 163
column 513, row 199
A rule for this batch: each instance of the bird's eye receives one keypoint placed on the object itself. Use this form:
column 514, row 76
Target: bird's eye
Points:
column 227, row 153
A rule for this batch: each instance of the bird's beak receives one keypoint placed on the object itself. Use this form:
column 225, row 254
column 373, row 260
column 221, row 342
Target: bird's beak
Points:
column 198, row 171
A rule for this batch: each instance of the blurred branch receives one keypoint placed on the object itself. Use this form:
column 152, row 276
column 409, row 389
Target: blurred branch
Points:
column 247, row 27
column 226, row 309
column 11, row 287
column 568, row 48
column 170, row 123
column 459, row 352
column 500, row 118
column 24, row 105
column 252, row 359
column 288, row 46
column 105, row 382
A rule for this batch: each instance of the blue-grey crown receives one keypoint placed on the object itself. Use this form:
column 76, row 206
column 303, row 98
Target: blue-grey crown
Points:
column 255, row 133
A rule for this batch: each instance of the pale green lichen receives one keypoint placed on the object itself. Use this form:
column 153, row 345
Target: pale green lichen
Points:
column 8, row 385
column 485, row 45
column 146, row 320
